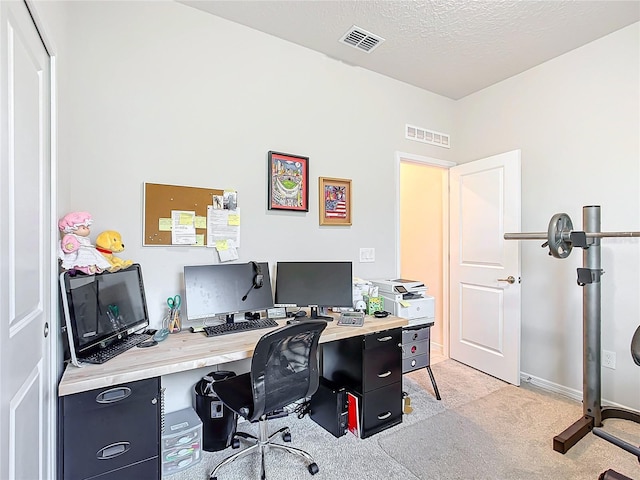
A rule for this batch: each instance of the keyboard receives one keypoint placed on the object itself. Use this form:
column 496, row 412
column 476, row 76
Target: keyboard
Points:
column 116, row 348
column 227, row 328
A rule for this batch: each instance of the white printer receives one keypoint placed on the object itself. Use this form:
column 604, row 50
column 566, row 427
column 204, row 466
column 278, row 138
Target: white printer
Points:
column 407, row 299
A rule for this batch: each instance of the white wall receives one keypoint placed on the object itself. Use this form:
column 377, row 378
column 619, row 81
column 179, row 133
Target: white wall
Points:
column 165, row 93
column 160, row 92
column 577, row 121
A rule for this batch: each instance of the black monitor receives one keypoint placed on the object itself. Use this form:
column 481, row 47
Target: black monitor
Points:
column 226, row 289
column 102, row 308
column 314, row 284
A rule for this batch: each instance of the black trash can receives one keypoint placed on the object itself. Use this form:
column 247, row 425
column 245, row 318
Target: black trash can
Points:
column 218, row 421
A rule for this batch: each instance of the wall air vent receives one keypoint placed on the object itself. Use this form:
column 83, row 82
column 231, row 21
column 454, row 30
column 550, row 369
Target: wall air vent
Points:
column 359, row 38
column 427, row 136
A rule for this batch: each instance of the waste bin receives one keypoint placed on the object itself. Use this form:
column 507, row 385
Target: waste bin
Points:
column 218, row 421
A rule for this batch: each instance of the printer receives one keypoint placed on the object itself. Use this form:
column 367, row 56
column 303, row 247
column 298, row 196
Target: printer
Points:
column 407, row 299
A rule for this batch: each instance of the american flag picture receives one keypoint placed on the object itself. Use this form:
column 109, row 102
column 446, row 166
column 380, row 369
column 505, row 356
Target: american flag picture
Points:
column 335, row 201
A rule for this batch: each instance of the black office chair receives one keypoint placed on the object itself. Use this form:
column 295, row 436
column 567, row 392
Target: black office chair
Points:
column 284, row 369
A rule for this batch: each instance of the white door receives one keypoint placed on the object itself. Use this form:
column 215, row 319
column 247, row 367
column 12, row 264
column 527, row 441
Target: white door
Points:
column 26, row 277
column 484, row 306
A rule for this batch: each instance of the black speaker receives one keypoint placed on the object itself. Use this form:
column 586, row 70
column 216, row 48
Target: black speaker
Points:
column 329, row 407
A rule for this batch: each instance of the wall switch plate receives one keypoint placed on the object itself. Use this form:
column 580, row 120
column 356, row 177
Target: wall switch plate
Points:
column 367, row 255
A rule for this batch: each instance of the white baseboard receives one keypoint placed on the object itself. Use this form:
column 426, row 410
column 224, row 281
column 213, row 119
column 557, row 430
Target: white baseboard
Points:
column 562, row 390
column 550, row 386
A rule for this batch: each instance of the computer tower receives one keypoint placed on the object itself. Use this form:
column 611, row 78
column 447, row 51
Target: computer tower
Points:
column 329, row 407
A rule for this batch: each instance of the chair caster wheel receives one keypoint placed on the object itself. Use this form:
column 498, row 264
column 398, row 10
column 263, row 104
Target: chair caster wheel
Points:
column 313, row 469
column 235, row 443
column 286, row 436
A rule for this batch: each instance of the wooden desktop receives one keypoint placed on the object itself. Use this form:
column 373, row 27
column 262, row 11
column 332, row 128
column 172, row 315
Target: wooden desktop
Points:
column 187, row 351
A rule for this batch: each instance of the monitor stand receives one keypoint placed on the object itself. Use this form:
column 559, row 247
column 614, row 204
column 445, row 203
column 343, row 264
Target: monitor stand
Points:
column 320, row 313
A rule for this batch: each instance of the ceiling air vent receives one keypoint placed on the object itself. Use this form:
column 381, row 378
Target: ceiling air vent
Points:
column 427, row 136
column 359, row 38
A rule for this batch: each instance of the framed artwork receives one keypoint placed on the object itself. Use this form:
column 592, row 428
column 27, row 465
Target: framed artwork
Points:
column 335, row 201
column 288, row 187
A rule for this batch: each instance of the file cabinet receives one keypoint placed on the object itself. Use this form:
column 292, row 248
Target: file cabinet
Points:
column 112, row 432
column 369, row 366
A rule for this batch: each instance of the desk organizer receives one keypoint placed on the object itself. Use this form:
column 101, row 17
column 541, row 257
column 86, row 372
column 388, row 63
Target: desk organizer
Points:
column 181, row 441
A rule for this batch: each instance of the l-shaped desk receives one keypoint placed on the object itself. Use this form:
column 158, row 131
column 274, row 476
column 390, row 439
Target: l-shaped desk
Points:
column 110, row 414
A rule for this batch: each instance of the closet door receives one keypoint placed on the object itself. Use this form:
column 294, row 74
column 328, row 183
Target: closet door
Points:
column 26, row 249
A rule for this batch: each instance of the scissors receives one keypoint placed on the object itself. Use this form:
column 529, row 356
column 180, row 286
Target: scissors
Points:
column 174, row 302
column 174, row 314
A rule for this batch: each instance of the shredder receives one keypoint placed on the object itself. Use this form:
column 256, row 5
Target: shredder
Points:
column 218, row 421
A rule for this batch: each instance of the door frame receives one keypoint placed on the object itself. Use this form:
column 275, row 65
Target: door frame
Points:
column 54, row 350
column 444, row 164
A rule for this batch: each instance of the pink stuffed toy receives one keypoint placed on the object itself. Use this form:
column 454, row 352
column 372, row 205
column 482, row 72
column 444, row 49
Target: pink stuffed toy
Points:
column 76, row 251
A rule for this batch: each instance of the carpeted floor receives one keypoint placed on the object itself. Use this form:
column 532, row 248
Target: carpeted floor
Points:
column 483, row 429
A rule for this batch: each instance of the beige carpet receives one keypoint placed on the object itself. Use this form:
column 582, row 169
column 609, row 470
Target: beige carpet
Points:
column 508, row 434
column 483, row 429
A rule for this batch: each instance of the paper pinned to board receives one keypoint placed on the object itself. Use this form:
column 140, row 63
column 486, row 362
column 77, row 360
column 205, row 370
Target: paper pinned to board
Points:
column 223, row 225
column 227, row 250
column 183, row 229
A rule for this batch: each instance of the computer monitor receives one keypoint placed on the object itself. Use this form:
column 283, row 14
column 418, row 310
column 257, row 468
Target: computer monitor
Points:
column 226, row 289
column 102, row 308
column 314, row 284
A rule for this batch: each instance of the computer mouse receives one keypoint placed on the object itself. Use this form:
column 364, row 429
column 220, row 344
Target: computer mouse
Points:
column 300, row 313
column 161, row 334
column 289, row 322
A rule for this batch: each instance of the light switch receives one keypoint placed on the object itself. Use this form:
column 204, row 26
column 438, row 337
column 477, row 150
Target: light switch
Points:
column 367, row 255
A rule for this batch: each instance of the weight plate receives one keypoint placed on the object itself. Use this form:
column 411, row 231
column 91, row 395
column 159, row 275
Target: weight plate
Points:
column 559, row 225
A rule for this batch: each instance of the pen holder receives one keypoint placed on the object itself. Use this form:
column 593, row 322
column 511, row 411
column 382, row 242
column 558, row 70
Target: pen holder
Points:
column 175, row 322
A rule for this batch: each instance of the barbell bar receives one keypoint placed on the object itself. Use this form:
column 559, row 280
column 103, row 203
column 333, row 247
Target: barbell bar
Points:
column 560, row 236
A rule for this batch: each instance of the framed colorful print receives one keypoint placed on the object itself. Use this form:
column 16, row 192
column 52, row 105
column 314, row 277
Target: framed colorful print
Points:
column 335, row 201
column 288, row 187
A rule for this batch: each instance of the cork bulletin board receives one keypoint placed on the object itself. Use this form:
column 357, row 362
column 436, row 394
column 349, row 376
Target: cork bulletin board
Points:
column 160, row 200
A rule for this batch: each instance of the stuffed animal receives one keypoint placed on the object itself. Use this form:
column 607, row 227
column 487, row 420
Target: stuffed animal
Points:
column 75, row 249
column 108, row 243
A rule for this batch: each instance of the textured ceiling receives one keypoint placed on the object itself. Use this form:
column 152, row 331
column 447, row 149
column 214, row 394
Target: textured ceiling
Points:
column 449, row 47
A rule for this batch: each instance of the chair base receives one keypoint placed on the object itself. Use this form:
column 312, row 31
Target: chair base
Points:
column 263, row 442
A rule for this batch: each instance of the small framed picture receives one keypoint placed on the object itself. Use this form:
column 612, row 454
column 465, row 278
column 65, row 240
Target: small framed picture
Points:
column 288, row 187
column 335, row 201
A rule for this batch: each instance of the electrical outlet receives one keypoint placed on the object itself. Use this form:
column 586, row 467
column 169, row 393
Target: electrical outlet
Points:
column 609, row 359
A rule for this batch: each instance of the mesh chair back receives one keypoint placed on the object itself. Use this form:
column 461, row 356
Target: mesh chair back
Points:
column 284, row 367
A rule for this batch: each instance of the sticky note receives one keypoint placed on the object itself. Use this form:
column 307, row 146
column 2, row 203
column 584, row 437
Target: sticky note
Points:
column 164, row 224
column 234, row 219
column 404, row 303
column 201, row 222
column 186, row 219
column 199, row 238
column 221, row 245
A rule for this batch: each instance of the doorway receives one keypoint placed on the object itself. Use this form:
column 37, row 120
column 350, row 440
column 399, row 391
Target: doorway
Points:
column 422, row 231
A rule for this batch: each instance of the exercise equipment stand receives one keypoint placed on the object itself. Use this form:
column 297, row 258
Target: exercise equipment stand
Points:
column 560, row 240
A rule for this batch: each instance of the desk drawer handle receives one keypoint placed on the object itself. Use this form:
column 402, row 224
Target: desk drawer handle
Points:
column 384, row 416
column 385, row 374
column 384, row 339
column 113, row 395
column 113, row 450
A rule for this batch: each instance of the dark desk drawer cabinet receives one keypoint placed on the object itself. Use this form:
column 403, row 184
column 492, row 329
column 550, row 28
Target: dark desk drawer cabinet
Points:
column 415, row 348
column 112, row 432
column 371, row 367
